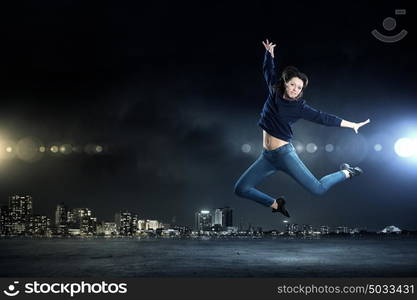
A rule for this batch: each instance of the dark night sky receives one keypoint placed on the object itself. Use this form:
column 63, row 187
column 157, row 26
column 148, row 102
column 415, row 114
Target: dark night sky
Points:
column 173, row 91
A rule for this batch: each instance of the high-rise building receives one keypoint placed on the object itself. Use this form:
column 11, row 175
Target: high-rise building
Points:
column 20, row 210
column 324, row 229
column 293, row 228
column 39, row 225
column 227, row 217
column 218, row 217
column 342, row 229
column 223, row 217
column 83, row 220
column 5, row 221
column 307, row 229
column 61, row 219
column 203, row 220
column 126, row 222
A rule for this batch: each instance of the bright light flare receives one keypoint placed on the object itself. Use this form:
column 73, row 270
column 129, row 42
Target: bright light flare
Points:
column 406, row 147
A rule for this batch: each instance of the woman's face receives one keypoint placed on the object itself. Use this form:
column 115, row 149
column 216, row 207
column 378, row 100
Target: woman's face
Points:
column 293, row 87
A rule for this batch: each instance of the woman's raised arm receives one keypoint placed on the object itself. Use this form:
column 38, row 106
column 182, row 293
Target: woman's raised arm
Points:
column 269, row 68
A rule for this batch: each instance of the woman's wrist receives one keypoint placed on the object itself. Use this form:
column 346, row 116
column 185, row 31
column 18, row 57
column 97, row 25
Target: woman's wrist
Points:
column 348, row 124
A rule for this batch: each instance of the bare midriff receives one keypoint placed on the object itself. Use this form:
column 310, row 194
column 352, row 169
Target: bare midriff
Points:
column 271, row 142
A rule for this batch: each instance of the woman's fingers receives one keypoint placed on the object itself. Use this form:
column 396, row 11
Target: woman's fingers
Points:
column 365, row 122
column 359, row 125
column 269, row 45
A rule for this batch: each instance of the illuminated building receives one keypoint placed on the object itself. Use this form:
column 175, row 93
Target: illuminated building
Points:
column 81, row 219
column 20, row 210
column 203, row 220
column 38, row 225
column 126, row 222
column 61, row 219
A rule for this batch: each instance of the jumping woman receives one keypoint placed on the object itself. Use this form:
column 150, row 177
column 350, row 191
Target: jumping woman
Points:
column 283, row 107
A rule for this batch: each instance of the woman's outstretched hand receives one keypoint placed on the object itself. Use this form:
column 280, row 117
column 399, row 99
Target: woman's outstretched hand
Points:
column 269, row 46
column 356, row 126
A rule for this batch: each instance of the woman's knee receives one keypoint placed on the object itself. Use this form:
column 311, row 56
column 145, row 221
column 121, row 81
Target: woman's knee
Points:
column 318, row 190
column 241, row 189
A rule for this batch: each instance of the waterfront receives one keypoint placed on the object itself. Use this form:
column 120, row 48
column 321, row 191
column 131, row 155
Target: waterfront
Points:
column 207, row 257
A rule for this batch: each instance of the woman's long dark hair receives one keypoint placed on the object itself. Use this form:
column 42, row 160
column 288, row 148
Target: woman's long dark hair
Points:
column 288, row 73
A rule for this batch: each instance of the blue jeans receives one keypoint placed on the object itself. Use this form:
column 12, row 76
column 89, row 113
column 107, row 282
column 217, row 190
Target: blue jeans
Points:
column 285, row 159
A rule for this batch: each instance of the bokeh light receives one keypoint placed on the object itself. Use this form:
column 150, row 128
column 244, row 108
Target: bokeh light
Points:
column 27, row 149
column 246, row 148
column 299, row 147
column 311, row 147
column 329, row 148
column 65, row 149
column 99, row 149
column 54, row 149
column 378, row 147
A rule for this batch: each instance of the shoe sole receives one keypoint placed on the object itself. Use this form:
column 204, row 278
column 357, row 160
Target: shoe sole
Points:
column 282, row 210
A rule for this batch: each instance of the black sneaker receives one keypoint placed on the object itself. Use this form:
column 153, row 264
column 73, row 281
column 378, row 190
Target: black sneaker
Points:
column 281, row 207
column 352, row 171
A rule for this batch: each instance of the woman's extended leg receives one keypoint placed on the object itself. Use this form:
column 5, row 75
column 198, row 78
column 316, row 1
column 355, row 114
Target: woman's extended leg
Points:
column 296, row 169
column 258, row 171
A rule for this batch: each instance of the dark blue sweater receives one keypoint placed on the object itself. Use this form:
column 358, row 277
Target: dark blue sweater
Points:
column 278, row 114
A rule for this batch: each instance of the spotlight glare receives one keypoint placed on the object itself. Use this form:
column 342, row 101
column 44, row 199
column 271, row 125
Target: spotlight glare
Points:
column 406, row 147
column 378, row 147
column 9, row 149
column 311, row 148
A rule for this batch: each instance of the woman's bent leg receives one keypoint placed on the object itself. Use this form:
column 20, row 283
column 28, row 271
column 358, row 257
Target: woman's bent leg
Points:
column 296, row 169
column 258, row 171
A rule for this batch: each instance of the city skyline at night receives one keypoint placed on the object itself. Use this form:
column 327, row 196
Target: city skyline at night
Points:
column 17, row 218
